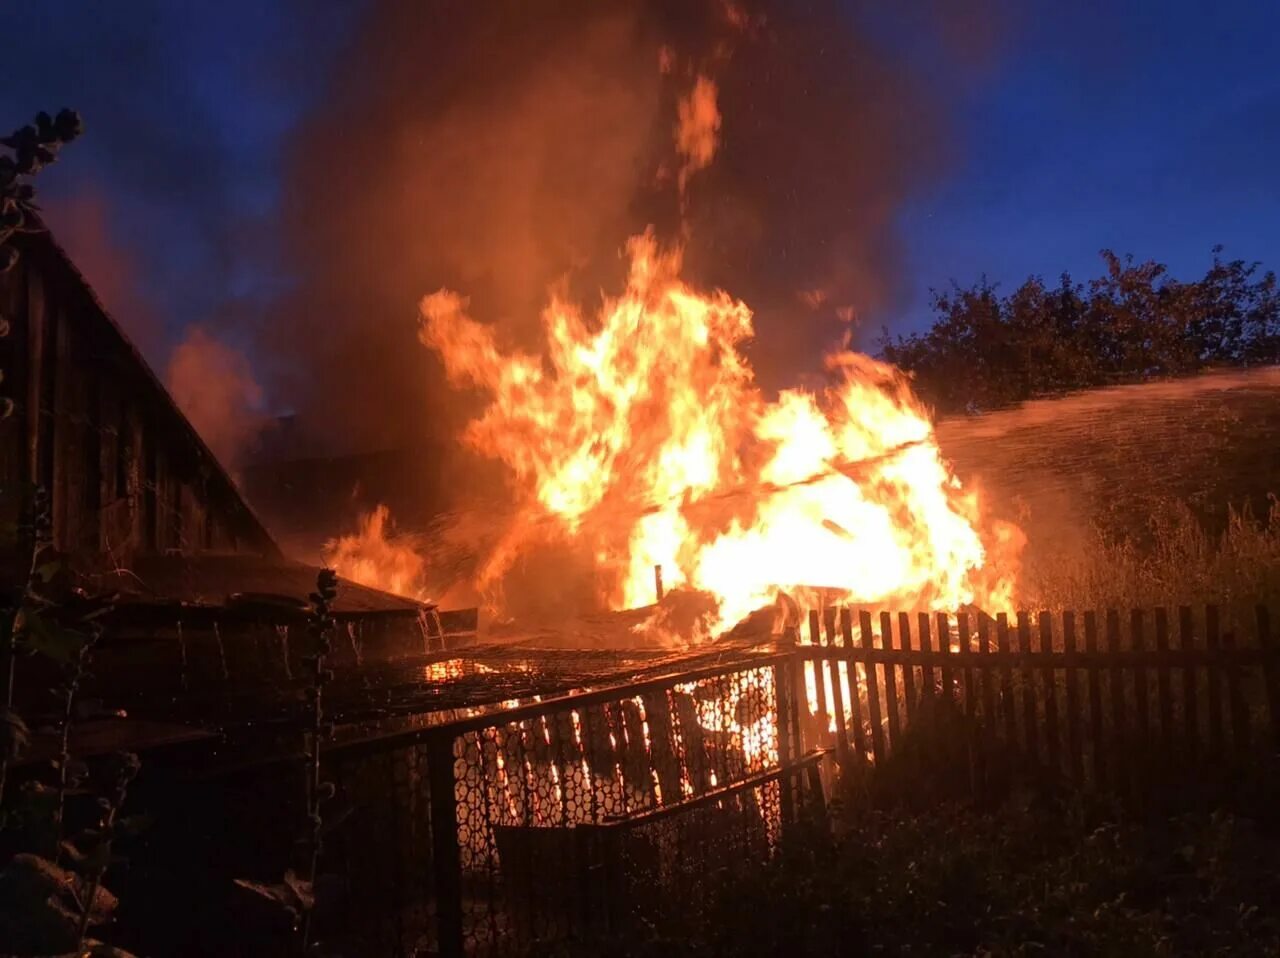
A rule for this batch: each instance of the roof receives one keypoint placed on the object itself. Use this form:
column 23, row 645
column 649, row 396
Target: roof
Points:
column 37, row 237
column 239, row 582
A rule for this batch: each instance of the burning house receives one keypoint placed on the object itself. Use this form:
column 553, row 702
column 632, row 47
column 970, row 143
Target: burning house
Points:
column 138, row 504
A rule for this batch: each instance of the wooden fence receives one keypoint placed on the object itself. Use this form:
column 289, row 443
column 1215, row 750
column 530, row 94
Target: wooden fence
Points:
column 1099, row 701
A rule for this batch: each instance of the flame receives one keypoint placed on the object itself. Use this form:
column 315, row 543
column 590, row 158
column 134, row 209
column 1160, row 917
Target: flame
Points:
column 642, row 437
column 372, row 558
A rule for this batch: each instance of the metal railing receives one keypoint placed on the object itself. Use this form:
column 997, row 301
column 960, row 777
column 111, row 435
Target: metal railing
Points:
column 569, row 818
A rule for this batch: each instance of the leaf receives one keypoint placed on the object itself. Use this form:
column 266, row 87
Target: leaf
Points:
column 43, row 637
column 14, row 735
column 46, row 571
column 132, row 825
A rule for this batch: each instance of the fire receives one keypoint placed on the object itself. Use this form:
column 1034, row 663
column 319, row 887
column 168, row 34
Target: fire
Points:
column 643, row 437
column 371, row 557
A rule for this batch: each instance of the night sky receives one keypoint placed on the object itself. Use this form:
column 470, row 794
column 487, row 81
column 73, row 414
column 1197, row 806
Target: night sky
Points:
column 1073, row 126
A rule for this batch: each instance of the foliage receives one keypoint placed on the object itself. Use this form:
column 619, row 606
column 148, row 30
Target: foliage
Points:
column 32, row 148
column 295, row 896
column 1025, row 878
column 1175, row 563
column 51, row 891
column 1134, row 322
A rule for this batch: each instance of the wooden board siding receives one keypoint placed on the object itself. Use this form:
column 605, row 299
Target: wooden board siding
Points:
column 126, row 473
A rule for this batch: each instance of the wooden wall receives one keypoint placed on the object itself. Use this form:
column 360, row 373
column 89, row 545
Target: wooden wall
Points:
column 125, row 471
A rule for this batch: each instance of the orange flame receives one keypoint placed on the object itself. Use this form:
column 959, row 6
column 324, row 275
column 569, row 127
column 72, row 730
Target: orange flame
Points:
column 372, row 558
column 642, row 437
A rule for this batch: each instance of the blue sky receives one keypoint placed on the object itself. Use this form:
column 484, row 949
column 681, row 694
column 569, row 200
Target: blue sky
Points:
column 1151, row 128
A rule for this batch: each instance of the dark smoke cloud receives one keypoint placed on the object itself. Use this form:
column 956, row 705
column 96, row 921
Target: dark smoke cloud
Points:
column 495, row 147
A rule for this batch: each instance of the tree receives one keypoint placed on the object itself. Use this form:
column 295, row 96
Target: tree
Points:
column 1134, row 322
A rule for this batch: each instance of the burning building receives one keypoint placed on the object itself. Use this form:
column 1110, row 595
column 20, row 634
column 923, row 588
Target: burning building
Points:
column 138, row 504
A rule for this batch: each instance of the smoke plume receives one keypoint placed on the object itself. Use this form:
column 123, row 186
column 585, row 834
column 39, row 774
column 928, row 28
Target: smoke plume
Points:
column 499, row 148
column 214, row 386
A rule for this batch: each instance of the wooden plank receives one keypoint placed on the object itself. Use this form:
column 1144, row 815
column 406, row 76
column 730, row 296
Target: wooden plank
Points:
column 1213, row 642
column 1270, row 671
column 1049, row 677
column 966, row 674
column 822, row 716
column 1235, row 699
column 944, row 645
column 926, row 645
column 1075, row 753
column 1138, row 642
column 1148, row 659
column 1190, row 693
column 890, row 681
column 1006, row 682
column 1164, row 690
column 846, row 634
column 987, row 677
column 1030, row 724
column 837, row 690
column 1095, row 699
column 1119, row 718
column 909, row 668
column 873, row 689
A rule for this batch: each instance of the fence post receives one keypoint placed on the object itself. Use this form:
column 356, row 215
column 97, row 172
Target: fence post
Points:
column 1271, row 672
column 446, row 853
column 782, row 692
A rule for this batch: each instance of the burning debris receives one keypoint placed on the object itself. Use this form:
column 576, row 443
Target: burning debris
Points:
column 643, row 438
column 640, row 440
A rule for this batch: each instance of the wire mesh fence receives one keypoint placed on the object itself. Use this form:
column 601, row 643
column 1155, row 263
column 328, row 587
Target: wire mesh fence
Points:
column 568, row 819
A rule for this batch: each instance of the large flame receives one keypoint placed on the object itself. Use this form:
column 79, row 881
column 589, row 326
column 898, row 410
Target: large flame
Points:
column 642, row 438
column 372, row 556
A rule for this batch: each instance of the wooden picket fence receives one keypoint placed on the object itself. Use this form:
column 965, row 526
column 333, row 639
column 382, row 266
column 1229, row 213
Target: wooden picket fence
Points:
column 1093, row 700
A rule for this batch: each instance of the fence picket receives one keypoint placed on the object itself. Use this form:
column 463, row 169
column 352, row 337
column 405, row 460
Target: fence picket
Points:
column 873, row 689
column 984, row 647
column 1030, row 724
column 1006, row 682
column 1050, row 693
column 944, row 646
column 890, row 680
column 1271, row 672
column 1138, row 642
column 1213, row 642
column 1235, row 700
column 855, row 695
column 926, row 645
column 1075, row 756
column 908, row 670
column 1119, row 718
column 1095, row 699
column 1190, row 698
column 1163, row 689
column 837, row 692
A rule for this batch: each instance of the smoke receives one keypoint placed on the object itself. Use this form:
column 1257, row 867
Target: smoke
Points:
column 499, row 148
column 214, row 386
column 83, row 222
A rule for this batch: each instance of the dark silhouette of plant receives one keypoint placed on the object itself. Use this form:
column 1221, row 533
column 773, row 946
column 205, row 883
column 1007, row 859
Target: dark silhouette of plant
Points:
column 96, row 843
column 296, row 894
column 14, row 734
column 320, row 630
column 31, row 148
column 986, row 350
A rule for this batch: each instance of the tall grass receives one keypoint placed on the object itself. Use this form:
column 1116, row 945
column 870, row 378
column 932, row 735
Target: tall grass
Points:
column 1174, row 561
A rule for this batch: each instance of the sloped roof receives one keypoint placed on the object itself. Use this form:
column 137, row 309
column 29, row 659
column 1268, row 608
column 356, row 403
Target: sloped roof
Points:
column 240, row 580
column 37, row 240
